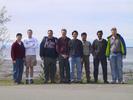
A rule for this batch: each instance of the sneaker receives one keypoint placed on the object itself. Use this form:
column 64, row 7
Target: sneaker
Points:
column 113, row 82
column 121, row 82
column 72, row 81
column 106, row 82
column 15, row 83
column 31, row 81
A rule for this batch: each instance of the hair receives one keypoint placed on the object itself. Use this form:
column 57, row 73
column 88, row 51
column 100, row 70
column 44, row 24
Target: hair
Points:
column 100, row 31
column 50, row 31
column 114, row 28
column 75, row 32
column 64, row 30
column 84, row 34
column 30, row 30
column 18, row 34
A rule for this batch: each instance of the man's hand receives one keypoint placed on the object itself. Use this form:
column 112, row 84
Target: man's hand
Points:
column 23, row 59
column 81, row 59
column 33, row 44
column 124, row 56
column 14, row 61
column 65, row 56
column 108, row 58
column 42, row 58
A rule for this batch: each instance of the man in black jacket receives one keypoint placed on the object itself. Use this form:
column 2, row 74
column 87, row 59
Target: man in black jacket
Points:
column 48, row 54
column 99, row 55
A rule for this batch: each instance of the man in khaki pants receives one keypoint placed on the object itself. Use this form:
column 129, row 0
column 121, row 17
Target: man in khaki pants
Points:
column 30, row 45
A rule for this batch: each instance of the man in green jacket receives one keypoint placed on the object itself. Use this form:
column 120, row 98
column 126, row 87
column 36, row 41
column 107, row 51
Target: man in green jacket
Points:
column 116, row 50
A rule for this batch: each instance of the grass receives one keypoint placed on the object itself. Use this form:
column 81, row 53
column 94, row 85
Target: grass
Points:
column 6, row 82
column 40, row 82
column 130, row 82
column 10, row 82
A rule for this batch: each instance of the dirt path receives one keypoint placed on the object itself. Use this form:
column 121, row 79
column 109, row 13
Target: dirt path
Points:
column 67, row 92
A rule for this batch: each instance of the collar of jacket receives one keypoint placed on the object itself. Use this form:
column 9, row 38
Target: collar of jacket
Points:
column 116, row 34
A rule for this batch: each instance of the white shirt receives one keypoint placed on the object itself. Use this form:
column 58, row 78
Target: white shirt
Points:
column 30, row 45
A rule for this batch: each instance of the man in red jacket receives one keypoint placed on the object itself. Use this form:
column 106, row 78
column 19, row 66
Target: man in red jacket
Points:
column 18, row 55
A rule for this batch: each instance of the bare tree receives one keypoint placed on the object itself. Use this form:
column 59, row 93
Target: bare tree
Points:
column 4, row 36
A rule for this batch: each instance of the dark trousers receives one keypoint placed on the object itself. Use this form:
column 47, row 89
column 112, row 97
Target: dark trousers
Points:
column 96, row 62
column 86, row 64
column 49, row 69
column 64, row 69
column 18, row 70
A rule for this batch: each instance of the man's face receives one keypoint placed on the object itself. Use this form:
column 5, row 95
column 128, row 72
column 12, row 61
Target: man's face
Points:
column 19, row 38
column 75, row 35
column 114, row 32
column 29, row 33
column 50, row 33
column 63, row 33
column 84, row 37
column 99, row 35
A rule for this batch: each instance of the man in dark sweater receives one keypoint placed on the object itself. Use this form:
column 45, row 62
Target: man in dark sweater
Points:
column 63, row 52
column 18, row 55
column 75, row 53
column 99, row 55
column 48, row 53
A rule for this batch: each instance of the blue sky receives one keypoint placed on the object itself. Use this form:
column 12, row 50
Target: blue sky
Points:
column 82, row 15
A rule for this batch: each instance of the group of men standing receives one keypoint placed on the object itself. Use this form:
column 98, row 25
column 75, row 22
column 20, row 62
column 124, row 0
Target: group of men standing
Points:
column 72, row 54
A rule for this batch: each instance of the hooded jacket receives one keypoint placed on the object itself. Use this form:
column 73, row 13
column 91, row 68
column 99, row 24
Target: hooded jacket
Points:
column 123, row 45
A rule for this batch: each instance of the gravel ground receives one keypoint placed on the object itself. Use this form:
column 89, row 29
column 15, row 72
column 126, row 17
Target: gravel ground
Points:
column 67, row 92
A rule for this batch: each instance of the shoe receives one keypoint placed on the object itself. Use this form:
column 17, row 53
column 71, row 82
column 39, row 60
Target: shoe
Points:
column 72, row 81
column 15, row 83
column 46, row 82
column 53, row 82
column 20, row 83
column 106, row 82
column 121, row 82
column 31, row 81
column 61, row 82
column 79, row 82
column 67, row 82
column 95, row 81
column 27, row 81
column 113, row 82
column 88, row 81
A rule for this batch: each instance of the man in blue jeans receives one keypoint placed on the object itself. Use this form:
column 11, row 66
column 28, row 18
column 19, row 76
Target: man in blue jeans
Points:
column 18, row 55
column 75, row 53
column 116, row 50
